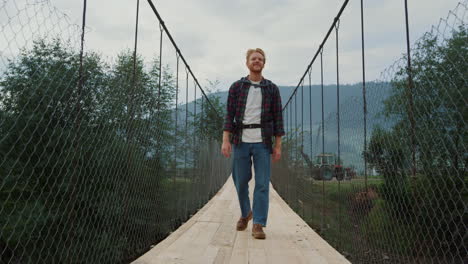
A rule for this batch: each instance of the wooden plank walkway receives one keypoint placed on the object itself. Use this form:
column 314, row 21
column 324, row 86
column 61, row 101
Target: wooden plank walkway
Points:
column 210, row 236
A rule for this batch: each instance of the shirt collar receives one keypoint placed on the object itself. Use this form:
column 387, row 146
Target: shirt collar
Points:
column 263, row 82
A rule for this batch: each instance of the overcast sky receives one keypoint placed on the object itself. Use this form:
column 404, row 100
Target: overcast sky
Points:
column 214, row 35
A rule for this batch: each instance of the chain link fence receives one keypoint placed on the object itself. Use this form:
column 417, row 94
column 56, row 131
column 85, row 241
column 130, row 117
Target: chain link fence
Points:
column 100, row 158
column 352, row 177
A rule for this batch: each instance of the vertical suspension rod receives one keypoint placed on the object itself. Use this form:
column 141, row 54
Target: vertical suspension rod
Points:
column 364, row 92
column 161, row 21
column 340, row 171
column 323, row 141
column 410, row 93
column 320, row 48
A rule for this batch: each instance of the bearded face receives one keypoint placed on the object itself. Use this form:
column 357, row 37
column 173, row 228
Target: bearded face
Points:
column 256, row 62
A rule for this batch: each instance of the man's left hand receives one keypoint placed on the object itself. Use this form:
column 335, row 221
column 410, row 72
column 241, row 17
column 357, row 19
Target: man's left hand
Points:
column 276, row 154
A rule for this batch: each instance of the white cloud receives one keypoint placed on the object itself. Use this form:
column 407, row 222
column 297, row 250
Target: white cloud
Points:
column 213, row 35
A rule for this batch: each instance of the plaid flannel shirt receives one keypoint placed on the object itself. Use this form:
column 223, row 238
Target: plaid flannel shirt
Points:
column 271, row 114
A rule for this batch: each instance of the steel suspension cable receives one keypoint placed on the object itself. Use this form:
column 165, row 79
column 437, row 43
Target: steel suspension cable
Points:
column 320, row 48
column 161, row 21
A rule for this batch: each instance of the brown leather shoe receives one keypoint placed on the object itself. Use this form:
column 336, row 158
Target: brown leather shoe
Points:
column 257, row 231
column 243, row 221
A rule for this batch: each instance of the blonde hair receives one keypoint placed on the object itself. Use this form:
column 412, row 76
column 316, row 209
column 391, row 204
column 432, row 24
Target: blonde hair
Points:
column 250, row 51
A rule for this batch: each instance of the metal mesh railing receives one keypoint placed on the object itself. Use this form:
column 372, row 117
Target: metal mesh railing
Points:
column 351, row 175
column 99, row 158
column 102, row 158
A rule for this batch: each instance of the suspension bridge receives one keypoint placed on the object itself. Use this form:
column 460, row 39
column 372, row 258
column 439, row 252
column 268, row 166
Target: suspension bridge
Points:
column 209, row 236
column 118, row 161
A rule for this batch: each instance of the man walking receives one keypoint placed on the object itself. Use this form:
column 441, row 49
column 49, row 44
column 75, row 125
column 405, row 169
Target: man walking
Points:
column 254, row 116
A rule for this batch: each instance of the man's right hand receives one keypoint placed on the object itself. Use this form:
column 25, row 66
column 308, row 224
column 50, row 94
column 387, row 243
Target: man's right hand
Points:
column 226, row 149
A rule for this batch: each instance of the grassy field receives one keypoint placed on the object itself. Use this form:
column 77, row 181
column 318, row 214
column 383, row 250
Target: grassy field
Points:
column 359, row 228
column 359, row 224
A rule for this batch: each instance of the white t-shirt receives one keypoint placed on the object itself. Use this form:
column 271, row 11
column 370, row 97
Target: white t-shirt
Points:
column 252, row 115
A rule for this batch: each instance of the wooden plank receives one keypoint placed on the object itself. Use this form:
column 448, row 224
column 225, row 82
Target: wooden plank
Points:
column 210, row 236
column 257, row 255
column 223, row 256
column 239, row 250
column 226, row 234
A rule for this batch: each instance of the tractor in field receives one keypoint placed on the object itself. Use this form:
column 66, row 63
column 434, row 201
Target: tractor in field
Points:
column 349, row 173
column 327, row 168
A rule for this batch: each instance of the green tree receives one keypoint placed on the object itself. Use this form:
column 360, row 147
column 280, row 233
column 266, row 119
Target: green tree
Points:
column 433, row 202
column 389, row 154
column 145, row 124
column 42, row 131
column 82, row 166
column 209, row 122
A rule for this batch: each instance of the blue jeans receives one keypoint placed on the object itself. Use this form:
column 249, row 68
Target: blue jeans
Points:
column 242, row 173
